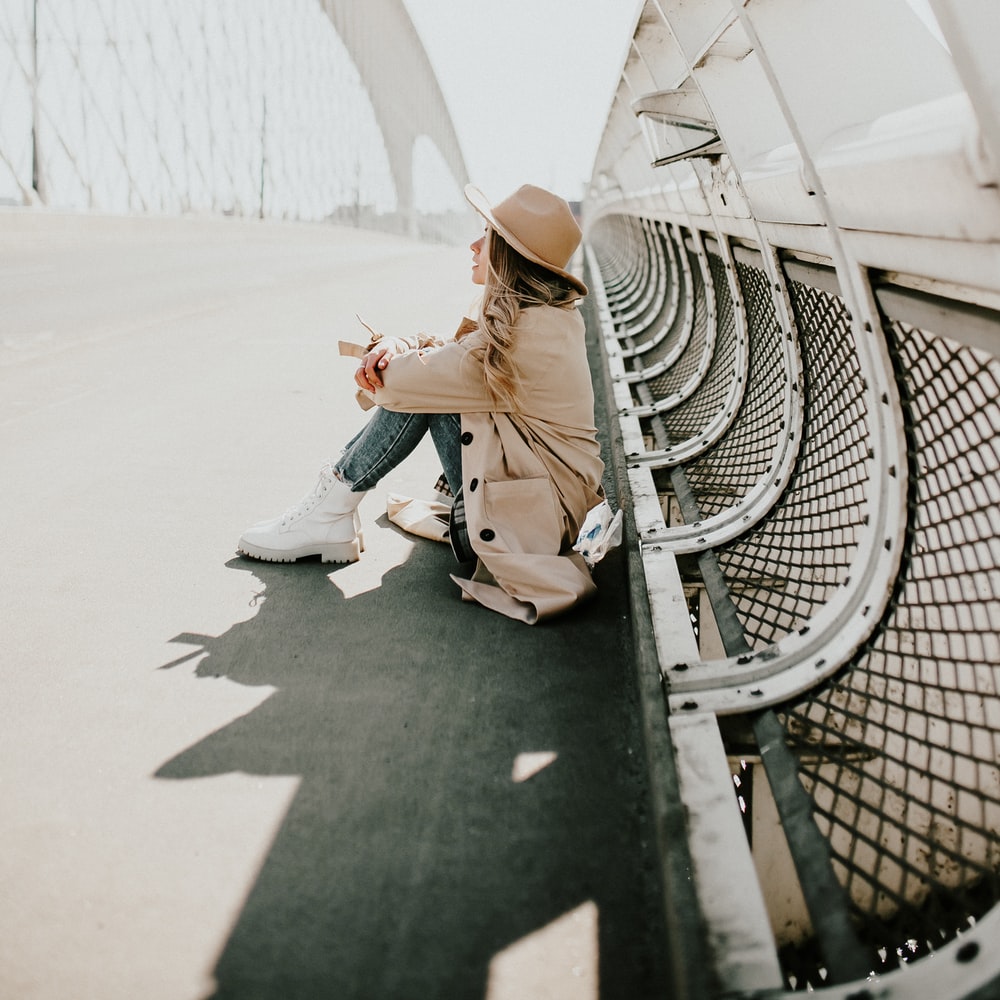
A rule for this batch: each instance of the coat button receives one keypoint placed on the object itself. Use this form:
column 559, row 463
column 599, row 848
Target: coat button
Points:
column 473, row 485
column 467, row 437
column 487, row 534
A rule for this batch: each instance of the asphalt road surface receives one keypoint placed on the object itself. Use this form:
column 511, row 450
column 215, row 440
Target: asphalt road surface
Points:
column 224, row 778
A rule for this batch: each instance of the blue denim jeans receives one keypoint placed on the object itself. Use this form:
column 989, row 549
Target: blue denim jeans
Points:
column 389, row 437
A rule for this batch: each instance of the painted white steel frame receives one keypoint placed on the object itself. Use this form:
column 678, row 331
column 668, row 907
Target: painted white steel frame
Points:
column 873, row 147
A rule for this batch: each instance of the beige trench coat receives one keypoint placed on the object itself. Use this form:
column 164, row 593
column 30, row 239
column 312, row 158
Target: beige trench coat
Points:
column 529, row 475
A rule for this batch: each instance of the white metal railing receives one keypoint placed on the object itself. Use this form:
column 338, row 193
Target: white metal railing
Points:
column 831, row 527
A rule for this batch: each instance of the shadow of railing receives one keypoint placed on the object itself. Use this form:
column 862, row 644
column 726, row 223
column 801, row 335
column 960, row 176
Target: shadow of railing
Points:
column 412, row 854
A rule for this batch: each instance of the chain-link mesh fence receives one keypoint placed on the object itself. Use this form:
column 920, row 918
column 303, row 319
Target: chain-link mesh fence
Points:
column 899, row 749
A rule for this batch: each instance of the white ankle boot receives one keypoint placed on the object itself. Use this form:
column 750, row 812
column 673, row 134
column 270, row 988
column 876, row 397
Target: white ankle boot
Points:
column 325, row 523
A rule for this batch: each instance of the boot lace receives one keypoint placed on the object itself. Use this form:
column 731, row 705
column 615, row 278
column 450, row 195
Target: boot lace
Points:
column 310, row 500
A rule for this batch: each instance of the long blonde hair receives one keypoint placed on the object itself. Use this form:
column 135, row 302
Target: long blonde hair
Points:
column 513, row 283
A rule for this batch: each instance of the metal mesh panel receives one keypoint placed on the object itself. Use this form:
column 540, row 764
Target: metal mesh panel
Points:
column 641, row 277
column 744, row 456
column 652, row 331
column 901, row 752
column 662, row 333
column 688, row 419
column 686, row 368
column 787, row 568
column 622, row 263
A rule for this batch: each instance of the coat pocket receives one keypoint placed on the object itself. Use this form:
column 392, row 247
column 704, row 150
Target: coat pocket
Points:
column 524, row 515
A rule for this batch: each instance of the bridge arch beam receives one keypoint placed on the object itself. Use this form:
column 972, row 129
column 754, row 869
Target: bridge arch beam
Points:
column 402, row 86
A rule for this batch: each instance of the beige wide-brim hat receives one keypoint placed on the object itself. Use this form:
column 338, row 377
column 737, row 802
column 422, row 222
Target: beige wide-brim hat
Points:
column 538, row 224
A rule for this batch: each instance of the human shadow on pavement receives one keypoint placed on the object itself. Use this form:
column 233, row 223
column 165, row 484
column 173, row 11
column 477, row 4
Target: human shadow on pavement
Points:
column 409, row 857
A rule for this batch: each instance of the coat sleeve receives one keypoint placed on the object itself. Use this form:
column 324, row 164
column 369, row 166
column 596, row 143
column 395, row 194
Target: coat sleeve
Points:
column 441, row 380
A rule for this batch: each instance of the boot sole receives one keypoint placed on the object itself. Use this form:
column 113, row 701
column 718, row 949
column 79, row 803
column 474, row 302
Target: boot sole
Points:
column 332, row 552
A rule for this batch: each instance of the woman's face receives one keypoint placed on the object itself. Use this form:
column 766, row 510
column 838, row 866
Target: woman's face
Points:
column 479, row 250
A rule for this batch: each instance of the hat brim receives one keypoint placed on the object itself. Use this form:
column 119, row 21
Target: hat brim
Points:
column 481, row 204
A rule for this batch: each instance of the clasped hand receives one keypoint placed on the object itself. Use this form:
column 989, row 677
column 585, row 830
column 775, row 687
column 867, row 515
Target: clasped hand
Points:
column 369, row 373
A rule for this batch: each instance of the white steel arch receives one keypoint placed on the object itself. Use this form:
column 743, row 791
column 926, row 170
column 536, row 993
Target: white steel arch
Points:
column 309, row 109
column 404, row 91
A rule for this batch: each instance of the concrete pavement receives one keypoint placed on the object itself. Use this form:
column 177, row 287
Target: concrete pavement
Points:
column 223, row 778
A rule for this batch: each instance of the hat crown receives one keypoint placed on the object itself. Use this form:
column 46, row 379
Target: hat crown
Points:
column 538, row 224
column 541, row 223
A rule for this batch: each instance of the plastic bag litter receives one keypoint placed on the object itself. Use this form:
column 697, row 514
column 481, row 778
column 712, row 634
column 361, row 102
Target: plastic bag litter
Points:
column 601, row 532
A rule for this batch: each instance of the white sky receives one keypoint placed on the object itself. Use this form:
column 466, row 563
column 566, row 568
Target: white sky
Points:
column 528, row 84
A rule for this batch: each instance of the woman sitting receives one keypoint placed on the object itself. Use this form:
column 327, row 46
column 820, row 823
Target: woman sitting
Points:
column 509, row 405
